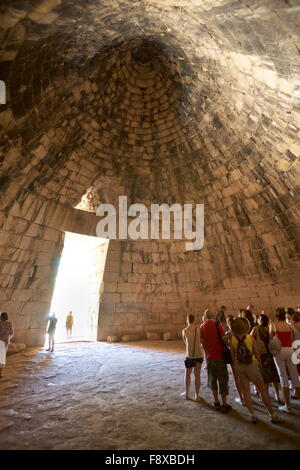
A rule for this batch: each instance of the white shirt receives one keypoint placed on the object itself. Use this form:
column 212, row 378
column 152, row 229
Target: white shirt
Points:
column 188, row 335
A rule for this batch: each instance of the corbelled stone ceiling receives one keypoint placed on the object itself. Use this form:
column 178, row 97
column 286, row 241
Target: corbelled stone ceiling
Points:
column 165, row 101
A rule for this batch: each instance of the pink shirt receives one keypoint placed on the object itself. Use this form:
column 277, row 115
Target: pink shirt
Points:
column 285, row 338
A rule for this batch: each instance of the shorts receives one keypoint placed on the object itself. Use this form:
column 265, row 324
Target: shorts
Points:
column 192, row 362
column 217, row 373
column 250, row 372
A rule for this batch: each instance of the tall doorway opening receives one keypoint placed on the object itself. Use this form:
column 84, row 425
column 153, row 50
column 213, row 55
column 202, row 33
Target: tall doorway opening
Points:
column 77, row 287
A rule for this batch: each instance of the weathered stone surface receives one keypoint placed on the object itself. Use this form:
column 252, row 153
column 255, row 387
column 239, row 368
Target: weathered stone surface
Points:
column 5, row 424
column 114, row 388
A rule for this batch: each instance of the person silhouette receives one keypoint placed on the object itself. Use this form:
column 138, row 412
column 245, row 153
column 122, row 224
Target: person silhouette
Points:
column 51, row 331
column 69, row 324
column 6, row 333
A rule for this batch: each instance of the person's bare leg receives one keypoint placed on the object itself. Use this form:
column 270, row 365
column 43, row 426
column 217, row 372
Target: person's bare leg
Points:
column 247, row 396
column 286, row 396
column 216, row 395
column 297, row 390
column 237, row 382
column 224, row 399
column 187, row 381
column 197, row 371
column 277, row 391
column 264, row 396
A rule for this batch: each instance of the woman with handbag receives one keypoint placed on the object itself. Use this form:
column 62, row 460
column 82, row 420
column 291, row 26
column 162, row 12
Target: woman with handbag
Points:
column 229, row 334
column 261, row 335
column 283, row 358
column 194, row 357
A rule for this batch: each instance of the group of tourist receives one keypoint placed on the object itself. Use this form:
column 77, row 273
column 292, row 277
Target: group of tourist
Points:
column 259, row 351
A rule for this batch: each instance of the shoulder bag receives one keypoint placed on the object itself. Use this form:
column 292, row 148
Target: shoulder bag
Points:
column 226, row 351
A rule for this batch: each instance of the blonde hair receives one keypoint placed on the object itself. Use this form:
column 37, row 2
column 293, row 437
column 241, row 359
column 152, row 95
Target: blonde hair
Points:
column 208, row 315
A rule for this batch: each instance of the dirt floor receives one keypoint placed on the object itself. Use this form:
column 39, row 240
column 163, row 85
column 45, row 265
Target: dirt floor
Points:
column 123, row 396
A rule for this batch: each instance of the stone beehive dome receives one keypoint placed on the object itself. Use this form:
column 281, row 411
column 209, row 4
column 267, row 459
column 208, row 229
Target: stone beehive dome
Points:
column 190, row 101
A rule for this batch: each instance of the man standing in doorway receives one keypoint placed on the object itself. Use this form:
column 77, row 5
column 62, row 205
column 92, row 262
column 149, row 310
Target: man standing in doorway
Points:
column 69, row 324
column 51, row 331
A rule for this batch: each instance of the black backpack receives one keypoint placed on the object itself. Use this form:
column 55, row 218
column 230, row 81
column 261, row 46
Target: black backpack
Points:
column 243, row 354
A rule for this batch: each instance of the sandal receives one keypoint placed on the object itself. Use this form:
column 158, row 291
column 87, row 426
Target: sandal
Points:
column 253, row 419
column 276, row 419
column 226, row 408
column 184, row 396
column 217, row 405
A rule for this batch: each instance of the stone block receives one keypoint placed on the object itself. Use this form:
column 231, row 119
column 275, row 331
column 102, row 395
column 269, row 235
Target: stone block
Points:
column 35, row 308
column 21, row 322
column 14, row 348
column 128, row 287
column 130, row 308
column 51, row 235
column 126, row 319
column 111, row 276
column 113, row 339
column 168, row 336
column 127, row 338
column 165, row 318
column 110, row 287
column 22, row 294
column 11, row 307
column 107, row 307
column 39, row 321
column 112, row 266
column 108, row 297
column 152, row 336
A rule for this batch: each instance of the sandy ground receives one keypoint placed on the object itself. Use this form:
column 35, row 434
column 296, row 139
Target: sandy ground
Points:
column 123, row 396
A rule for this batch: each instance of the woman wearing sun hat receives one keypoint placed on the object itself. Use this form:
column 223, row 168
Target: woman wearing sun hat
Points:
column 246, row 359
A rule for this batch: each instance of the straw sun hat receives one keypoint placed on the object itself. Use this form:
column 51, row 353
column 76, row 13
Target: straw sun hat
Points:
column 240, row 326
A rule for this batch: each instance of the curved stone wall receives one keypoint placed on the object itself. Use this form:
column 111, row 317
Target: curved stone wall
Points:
column 197, row 102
